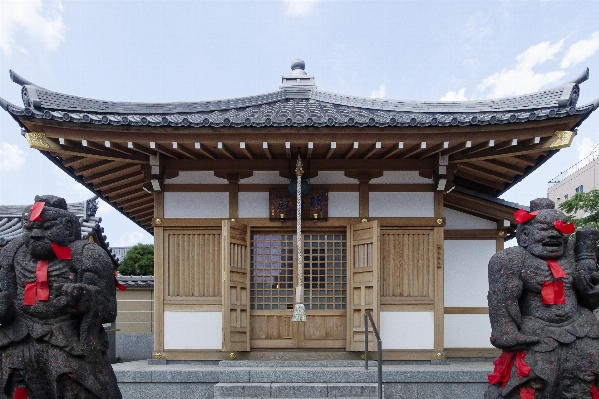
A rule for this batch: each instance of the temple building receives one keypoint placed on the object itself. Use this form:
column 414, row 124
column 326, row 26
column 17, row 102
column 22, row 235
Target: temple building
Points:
column 400, row 214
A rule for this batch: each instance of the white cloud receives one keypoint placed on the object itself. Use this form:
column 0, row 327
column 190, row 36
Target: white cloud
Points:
column 522, row 79
column 453, row 96
column 581, row 50
column 584, row 148
column 11, row 156
column 299, row 8
column 380, row 93
column 129, row 240
column 41, row 20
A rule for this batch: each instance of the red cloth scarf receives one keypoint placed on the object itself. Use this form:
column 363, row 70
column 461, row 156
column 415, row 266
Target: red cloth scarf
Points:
column 37, row 290
column 503, row 367
column 552, row 292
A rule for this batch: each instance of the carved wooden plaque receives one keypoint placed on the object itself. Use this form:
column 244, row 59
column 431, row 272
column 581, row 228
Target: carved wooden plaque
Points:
column 316, row 202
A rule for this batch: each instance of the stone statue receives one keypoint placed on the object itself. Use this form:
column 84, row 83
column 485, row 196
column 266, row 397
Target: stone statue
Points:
column 542, row 294
column 56, row 291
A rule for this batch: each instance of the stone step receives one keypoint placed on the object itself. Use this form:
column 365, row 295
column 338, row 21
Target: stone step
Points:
column 296, row 363
column 295, row 390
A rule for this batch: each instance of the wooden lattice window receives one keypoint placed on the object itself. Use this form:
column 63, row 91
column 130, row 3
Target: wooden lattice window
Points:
column 272, row 267
column 325, row 271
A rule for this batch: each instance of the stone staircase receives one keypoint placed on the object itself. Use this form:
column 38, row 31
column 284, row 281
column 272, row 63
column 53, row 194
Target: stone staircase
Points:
column 300, row 379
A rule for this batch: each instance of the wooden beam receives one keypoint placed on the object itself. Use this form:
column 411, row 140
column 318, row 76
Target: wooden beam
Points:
column 121, row 168
column 266, row 150
column 457, row 148
column 351, row 150
column 377, row 146
column 199, row 148
column 119, row 147
column 129, row 186
column 80, row 150
column 413, row 150
column 480, row 180
column 92, row 166
column 506, row 152
column 435, row 149
column 310, row 149
column 479, row 147
column 282, row 164
column 184, row 150
column 331, row 149
column 224, row 150
column 67, row 142
column 140, row 148
column 394, row 151
column 527, row 160
column 163, row 150
column 532, row 141
column 288, row 149
column 506, row 144
column 68, row 162
column 505, row 165
column 93, row 144
column 483, row 171
column 243, row 148
column 123, row 178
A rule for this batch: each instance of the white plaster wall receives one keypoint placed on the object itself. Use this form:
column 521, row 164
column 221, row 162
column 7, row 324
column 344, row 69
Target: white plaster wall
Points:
column 400, row 204
column 401, row 177
column 253, row 205
column 408, row 330
column 344, row 205
column 467, row 331
column 196, row 205
column 265, row 177
column 196, row 177
column 193, row 330
column 465, row 282
column 332, row 177
column 456, row 220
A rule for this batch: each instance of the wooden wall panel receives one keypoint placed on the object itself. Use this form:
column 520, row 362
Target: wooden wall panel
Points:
column 194, row 264
column 408, row 264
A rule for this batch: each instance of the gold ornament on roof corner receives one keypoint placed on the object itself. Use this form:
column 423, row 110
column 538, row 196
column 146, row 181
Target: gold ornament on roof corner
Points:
column 36, row 140
column 562, row 138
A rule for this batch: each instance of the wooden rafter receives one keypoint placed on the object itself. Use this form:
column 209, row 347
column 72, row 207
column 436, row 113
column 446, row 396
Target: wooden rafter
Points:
column 457, row 148
column 119, row 147
column 184, row 150
column 80, row 150
column 110, row 172
column 480, row 180
column 377, row 146
column 266, row 149
column 435, row 149
column 123, row 178
column 415, row 149
column 332, row 148
column 245, row 150
column 505, row 165
column 68, row 162
column 223, row 148
column 351, row 150
column 202, row 150
column 141, row 148
column 477, row 170
column 126, row 187
column 163, row 150
column 91, row 166
column 394, row 150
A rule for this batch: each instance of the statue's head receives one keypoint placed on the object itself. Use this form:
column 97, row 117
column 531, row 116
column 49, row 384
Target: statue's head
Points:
column 539, row 235
column 55, row 224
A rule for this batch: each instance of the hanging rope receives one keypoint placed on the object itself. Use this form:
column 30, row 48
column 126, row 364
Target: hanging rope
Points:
column 299, row 311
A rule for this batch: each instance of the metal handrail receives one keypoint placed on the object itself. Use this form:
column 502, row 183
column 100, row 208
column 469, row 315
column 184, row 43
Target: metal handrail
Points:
column 368, row 315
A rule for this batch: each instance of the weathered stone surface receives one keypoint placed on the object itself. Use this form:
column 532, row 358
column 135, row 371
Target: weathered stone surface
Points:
column 541, row 297
column 57, row 291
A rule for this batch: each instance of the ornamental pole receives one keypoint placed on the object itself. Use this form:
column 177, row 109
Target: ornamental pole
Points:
column 299, row 311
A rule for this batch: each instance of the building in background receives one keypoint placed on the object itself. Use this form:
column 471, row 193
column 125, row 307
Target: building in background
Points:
column 400, row 219
column 578, row 178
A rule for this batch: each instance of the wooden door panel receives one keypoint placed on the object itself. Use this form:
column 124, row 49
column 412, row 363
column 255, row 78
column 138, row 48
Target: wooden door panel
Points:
column 363, row 272
column 272, row 331
column 235, row 266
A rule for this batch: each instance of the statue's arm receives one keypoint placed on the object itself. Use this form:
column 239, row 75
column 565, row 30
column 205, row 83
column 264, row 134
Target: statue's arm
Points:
column 586, row 276
column 8, row 283
column 95, row 287
column 505, row 289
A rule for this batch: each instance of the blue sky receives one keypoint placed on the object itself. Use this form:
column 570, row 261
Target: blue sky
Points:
column 204, row 50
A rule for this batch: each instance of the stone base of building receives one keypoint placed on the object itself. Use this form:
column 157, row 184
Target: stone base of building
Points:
column 299, row 379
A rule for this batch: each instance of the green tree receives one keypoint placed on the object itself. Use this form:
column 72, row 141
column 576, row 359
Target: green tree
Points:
column 586, row 202
column 139, row 261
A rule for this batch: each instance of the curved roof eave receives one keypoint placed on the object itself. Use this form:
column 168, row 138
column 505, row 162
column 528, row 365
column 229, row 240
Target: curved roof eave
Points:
column 301, row 106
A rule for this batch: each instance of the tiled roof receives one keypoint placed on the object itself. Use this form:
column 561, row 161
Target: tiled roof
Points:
column 301, row 105
column 136, row 281
column 11, row 228
column 490, row 198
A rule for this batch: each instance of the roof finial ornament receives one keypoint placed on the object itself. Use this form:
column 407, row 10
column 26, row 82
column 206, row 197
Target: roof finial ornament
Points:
column 298, row 83
column 298, row 64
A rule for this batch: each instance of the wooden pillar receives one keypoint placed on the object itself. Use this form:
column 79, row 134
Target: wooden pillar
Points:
column 233, row 180
column 364, row 195
column 159, row 273
column 439, row 340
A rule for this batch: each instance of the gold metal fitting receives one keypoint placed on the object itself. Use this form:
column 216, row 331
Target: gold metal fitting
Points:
column 282, row 216
column 364, row 220
column 233, row 220
column 439, row 221
column 362, row 356
column 439, row 356
column 233, row 355
column 315, row 216
column 501, row 233
column 157, row 355
column 158, row 221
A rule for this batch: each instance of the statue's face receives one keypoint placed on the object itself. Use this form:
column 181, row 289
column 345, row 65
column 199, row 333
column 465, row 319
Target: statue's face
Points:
column 55, row 226
column 541, row 238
